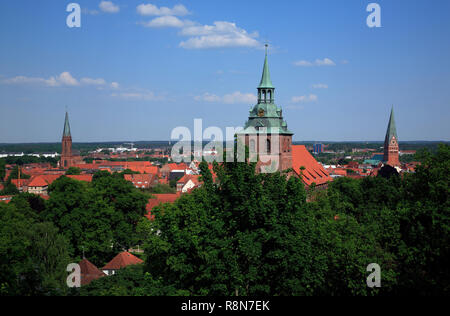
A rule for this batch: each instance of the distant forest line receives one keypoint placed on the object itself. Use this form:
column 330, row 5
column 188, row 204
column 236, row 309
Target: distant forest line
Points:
column 28, row 148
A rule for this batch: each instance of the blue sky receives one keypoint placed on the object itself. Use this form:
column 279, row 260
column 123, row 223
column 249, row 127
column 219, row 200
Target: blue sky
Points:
column 137, row 69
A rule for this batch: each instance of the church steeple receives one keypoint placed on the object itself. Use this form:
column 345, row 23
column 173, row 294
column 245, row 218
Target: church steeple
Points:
column 266, row 90
column 66, row 132
column 66, row 153
column 391, row 130
column 391, row 146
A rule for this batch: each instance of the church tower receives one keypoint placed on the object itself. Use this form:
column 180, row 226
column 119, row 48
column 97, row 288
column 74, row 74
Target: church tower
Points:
column 391, row 149
column 66, row 153
column 266, row 133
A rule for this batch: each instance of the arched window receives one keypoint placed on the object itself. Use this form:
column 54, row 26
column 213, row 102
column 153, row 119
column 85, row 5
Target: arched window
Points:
column 265, row 95
column 270, row 95
column 268, row 146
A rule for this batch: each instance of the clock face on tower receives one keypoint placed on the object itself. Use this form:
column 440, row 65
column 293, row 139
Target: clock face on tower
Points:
column 261, row 113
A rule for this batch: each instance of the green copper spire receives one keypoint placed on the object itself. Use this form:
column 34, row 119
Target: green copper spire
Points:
column 392, row 130
column 66, row 126
column 266, row 117
column 265, row 80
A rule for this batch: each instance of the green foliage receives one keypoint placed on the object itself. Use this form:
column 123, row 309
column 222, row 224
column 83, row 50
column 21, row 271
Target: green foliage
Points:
column 33, row 255
column 98, row 218
column 254, row 234
column 128, row 171
column 9, row 188
column 73, row 171
column 131, row 281
column 15, row 174
column 162, row 189
column 11, row 160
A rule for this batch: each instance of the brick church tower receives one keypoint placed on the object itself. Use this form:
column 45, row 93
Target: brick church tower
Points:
column 266, row 133
column 391, row 149
column 66, row 154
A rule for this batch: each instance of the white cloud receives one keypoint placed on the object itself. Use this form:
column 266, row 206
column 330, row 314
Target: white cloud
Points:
column 166, row 21
column 64, row 79
column 317, row 62
column 232, row 98
column 220, row 34
column 304, row 98
column 152, row 10
column 108, row 7
column 320, row 86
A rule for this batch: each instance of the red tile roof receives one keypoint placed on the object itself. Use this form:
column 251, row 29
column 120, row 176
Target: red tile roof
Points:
column 314, row 171
column 174, row 166
column 159, row 199
column 89, row 272
column 44, row 180
column 141, row 180
column 122, row 260
column 185, row 179
column 23, row 182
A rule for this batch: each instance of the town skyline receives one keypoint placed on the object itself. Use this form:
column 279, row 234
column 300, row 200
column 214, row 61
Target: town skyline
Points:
column 329, row 91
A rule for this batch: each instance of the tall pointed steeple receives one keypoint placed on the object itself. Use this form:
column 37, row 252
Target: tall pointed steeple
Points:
column 66, row 132
column 265, row 79
column 266, row 133
column 66, row 153
column 391, row 130
column 391, row 146
column 266, row 90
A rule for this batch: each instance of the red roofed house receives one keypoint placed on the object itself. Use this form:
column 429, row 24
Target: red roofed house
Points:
column 39, row 184
column 89, row 272
column 160, row 199
column 188, row 182
column 120, row 261
column 142, row 181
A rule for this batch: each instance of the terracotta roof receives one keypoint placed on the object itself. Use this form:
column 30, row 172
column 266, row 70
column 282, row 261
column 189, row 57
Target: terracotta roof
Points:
column 122, row 260
column 174, row 166
column 23, row 182
column 44, row 180
column 185, row 179
column 89, row 272
column 159, row 199
column 314, row 171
